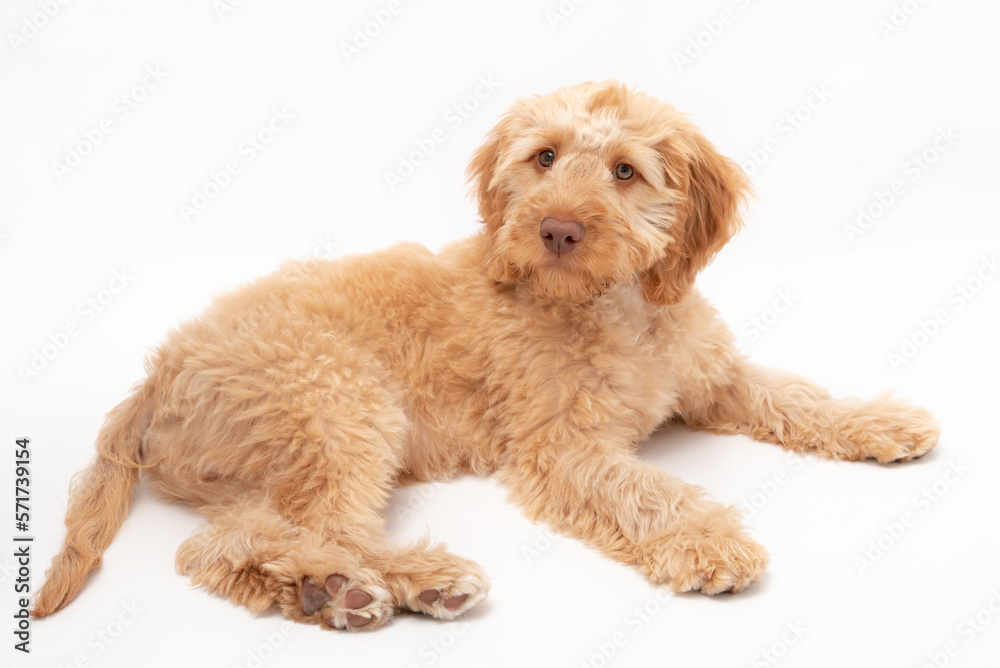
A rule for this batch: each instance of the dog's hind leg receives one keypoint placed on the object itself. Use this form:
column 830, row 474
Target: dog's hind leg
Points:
column 431, row 580
column 292, row 451
column 307, row 532
column 257, row 558
column 351, row 580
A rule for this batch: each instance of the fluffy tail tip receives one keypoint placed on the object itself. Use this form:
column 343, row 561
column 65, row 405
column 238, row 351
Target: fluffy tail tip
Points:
column 63, row 581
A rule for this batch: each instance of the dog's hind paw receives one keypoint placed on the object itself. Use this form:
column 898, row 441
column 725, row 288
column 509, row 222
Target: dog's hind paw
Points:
column 447, row 601
column 437, row 583
column 344, row 603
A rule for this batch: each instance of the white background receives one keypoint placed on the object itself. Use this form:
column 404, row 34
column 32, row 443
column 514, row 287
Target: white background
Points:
column 879, row 98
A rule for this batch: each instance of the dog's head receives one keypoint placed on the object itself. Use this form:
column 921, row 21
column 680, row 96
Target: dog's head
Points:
column 597, row 185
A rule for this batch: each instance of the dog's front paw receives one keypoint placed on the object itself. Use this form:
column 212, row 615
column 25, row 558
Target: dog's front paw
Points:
column 709, row 551
column 888, row 429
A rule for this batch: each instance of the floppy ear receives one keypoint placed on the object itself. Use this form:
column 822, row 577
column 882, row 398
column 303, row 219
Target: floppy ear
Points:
column 715, row 189
column 481, row 175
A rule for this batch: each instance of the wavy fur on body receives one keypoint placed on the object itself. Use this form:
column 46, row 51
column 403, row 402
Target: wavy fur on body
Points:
column 289, row 410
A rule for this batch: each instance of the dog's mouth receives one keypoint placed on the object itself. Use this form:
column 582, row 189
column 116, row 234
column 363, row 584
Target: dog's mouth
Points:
column 564, row 261
column 569, row 274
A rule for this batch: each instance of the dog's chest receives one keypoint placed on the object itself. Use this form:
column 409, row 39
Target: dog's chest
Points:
column 524, row 371
column 602, row 368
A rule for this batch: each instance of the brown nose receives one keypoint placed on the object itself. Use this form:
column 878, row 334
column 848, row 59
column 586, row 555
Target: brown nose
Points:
column 560, row 236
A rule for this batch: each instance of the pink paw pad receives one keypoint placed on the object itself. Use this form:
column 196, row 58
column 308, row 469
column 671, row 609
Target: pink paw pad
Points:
column 337, row 599
column 430, row 597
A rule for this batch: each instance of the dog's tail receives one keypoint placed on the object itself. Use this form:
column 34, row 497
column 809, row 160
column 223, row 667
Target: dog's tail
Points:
column 99, row 500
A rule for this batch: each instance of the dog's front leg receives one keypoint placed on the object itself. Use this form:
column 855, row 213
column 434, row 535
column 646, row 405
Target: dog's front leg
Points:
column 635, row 513
column 779, row 407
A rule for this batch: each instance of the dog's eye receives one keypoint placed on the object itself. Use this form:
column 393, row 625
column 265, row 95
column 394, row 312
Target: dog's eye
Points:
column 624, row 172
column 546, row 158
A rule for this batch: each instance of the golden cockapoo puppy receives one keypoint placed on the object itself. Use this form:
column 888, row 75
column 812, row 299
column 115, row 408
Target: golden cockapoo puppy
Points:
column 543, row 350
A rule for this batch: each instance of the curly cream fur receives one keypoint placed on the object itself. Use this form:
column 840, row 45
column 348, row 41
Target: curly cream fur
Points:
column 289, row 410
